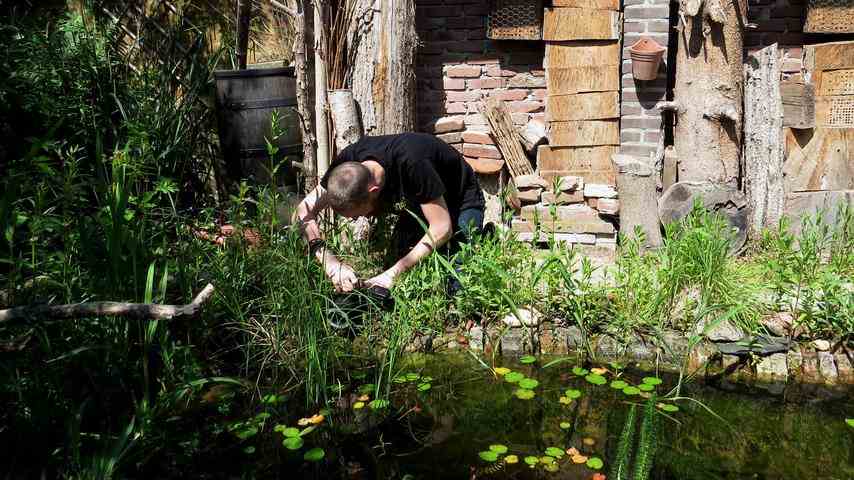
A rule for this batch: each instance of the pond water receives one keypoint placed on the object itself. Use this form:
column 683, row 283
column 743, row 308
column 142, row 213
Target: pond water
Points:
column 471, row 423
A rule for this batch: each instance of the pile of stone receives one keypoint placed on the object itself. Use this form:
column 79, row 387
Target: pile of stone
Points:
column 573, row 211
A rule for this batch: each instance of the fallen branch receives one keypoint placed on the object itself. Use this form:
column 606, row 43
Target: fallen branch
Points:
column 142, row 311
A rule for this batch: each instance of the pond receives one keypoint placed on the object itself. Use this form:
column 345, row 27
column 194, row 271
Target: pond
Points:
column 454, row 417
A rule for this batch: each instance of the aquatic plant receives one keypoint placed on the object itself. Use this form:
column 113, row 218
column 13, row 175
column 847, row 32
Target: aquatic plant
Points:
column 622, row 461
column 647, row 441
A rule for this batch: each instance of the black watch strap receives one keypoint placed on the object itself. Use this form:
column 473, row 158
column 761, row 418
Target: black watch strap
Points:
column 315, row 245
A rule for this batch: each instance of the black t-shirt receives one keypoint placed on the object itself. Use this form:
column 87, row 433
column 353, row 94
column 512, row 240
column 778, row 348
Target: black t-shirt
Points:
column 418, row 168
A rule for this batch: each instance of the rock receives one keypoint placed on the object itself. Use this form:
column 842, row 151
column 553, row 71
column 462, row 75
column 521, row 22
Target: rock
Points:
column 827, row 367
column 772, row 373
column 598, row 190
column 608, row 206
column 571, row 183
column 638, row 192
column 448, row 124
column 608, row 347
column 700, row 356
column 810, row 367
column 562, row 198
column 674, row 347
column 795, row 360
column 779, row 324
column 821, row 345
column 723, row 331
column 844, row 368
column 530, row 181
column 529, row 195
column 640, row 351
column 513, row 341
column 476, row 338
column 678, row 200
column 532, row 135
column 553, row 340
column 528, row 317
column 574, row 338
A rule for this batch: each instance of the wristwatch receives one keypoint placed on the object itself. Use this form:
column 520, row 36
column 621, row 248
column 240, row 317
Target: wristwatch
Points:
column 315, row 245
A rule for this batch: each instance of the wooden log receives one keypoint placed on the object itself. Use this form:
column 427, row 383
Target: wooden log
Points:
column 303, row 94
column 582, row 54
column 829, row 56
column 583, row 106
column 321, row 105
column 506, row 137
column 345, row 118
column 142, row 311
column 668, row 173
column 637, row 186
column 567, row 23
column 798, row 104
column 596, row 78
column 590, row 4
column 763, row 143
column 244, row 15
column 584, row 133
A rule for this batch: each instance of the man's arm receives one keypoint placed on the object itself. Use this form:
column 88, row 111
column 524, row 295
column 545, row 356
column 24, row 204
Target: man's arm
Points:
column 439, row 231
column 306, row 214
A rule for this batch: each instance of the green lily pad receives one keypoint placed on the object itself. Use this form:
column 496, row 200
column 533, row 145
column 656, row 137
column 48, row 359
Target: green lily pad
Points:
column 652, row 380
column 511, row 459
column 423, row 387
column 378, row 404
column 670, row 408
column 488, row 455
column 555, row 452
column 358, row 405
column 531, row 460
column 314, row 455
column 646, row 387
column 547, row 460
column 619, row 384
column 552, row 467
column 290, row 432
column 524, row 394
column 513, row 377
column 248, row 432
column 293, row 443
column 595, row 463
column 528, row 383
column 596, row 379
column 412, row 376
column 580, row 371
column 850, row 422
column 501, row 370
column 572, row 393
column 280, row 428
column 527, row 359
column 631, row 390
column 400, row 379
column 498, row 448
column 565, row 425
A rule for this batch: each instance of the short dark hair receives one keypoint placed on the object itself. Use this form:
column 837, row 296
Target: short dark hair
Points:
column 347, row 185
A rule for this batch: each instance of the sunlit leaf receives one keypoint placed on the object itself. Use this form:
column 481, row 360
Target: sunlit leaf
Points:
column 547, row 460
column 631, row 390
column 423, row 387
column 488, row 455
column 531, row 460
column 498, row 448
column 564, row 400
column 358, row 405
column 378, row 404
column 524, row 394
column 619, row 384
column 595, row 463
column 501, row 371
column 579, row 458
column 565, row 425
column 526, row 359
column 645, row 387
column 248, row 432
column 293, row 443
column 670, row 408
column 599, row 370
column 554, row 452
column 849, row 421
column 249, row 450
column 513, row 377
column 290, row 432
column 652, row 380
column 580, row 371
column 552, row 467
column 511, row 459
column 412, row 376
column 314, row 455
column 572, row 393
column 528, row 383
column 596, row 379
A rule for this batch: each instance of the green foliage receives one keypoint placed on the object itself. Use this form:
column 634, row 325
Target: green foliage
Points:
column 620, row 467
column 647, row 441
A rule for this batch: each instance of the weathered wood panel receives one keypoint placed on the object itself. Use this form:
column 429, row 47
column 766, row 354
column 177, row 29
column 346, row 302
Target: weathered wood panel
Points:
column 566, row 81
column 823, row 162
column 575, row 158
column 829, row 56
column 810, row 203
column 798, row 104
column 594, row 4
column 835, row 111
column 583, row 106
column 582, row 54
column 584, row 133
column 566, row 23
column 830, row 16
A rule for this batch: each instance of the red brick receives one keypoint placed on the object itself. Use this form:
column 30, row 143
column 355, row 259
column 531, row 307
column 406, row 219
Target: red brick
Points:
column 454, row 137
column 448, row 124
column 499, row 72
column 478, row 137
column 525, row 107
column 509, row 95
column 480, row 151
column 463, row 71
column 481, row 83
column 463, row 96
column 455, row 107
column 538, row 73
column 454, row 84
column 526, row 80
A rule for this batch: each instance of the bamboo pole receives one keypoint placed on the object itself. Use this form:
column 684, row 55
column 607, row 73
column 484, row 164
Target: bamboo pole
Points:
column 320, row 88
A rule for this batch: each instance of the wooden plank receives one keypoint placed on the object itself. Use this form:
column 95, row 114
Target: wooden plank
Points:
column 583, row 106
column 830, row 16
column 835, row 111
column 582, row 54
column 798, row 104
column 822, row 161
column 581, row 24
column 829, row 56
column 592, row 4
column 837, row 82
column 584, row 133
column 575, row 158
column 598, row 78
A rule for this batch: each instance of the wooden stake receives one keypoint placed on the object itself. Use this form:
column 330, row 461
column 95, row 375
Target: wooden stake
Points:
column 320, row 101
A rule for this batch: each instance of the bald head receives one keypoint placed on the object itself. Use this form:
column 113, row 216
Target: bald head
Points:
column 348, row 186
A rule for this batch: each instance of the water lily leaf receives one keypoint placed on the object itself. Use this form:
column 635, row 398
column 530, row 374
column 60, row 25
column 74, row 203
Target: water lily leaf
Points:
column 580, row 371
column 526, row 359
column 271, row 398
column 293, row 443
column 595, row 463
column 423, row 387
column 513, row 377
column 280, row 428
column 378, row 404
column 528, row 383
column 554, row 452
column 412, row 376
column 552, row 467
column 849, row 421
column 524, row 394
column 572, row 393
column 399, row 379
column 670, row 408
column 314, row 455
column 619, row 384
column 248, row 432
column 596, row 379
column 316, row 419
column 588, row 441
column 652, row 380
column 564, row 400
column 501, row 371
column 572, row 451
column 249, row 450
column 426, row 379
column 488, row 456
column 547, row 460
column 290, row 432
column 579, row 458
column 498, row 448
column 565, row 425
column 531, row 460
column 358, row 405
column 511, row 459
column 645, row 387
column 631, row 390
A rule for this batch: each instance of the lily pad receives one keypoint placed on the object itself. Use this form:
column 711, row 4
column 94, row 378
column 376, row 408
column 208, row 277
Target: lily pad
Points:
column 619, row 384
column 501, row 371
column 552, row 467
column 631, row 390
column 565, row 425
column 498, row 448
column 513, row 377
column 572, row 393
column 290, row 432
column 378, row 404
column 526, row 359
column 358, row 405
column 670, row 408
column 580, row 371
column 423, row 387
column 564, row 400
column 528, row 383
column 595, row 463
column 646, row 387
column 850, row 422
column 555, row 452
column 652, row 380
column 488, row 456
column 293, row 443
column 279, row 428
column 531, row 460
column 248, row 432
column 524, row 394
column 547, row 460
column 412, row 376
column 511, row 459
column 596, row 379
column 314, row 455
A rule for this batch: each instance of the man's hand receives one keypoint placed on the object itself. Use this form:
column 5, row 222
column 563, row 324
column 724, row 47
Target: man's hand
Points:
column 385, row 279
column 342, row 276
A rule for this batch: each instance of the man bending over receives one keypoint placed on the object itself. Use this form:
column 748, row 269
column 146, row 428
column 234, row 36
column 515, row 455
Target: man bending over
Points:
column 372, row 175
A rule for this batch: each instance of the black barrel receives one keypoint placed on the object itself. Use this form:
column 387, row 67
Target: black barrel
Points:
column 245, row 101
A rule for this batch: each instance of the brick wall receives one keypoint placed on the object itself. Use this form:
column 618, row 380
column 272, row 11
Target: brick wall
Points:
column 781, row 22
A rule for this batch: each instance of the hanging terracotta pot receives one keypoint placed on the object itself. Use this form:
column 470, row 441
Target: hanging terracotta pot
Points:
column 646, row 57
